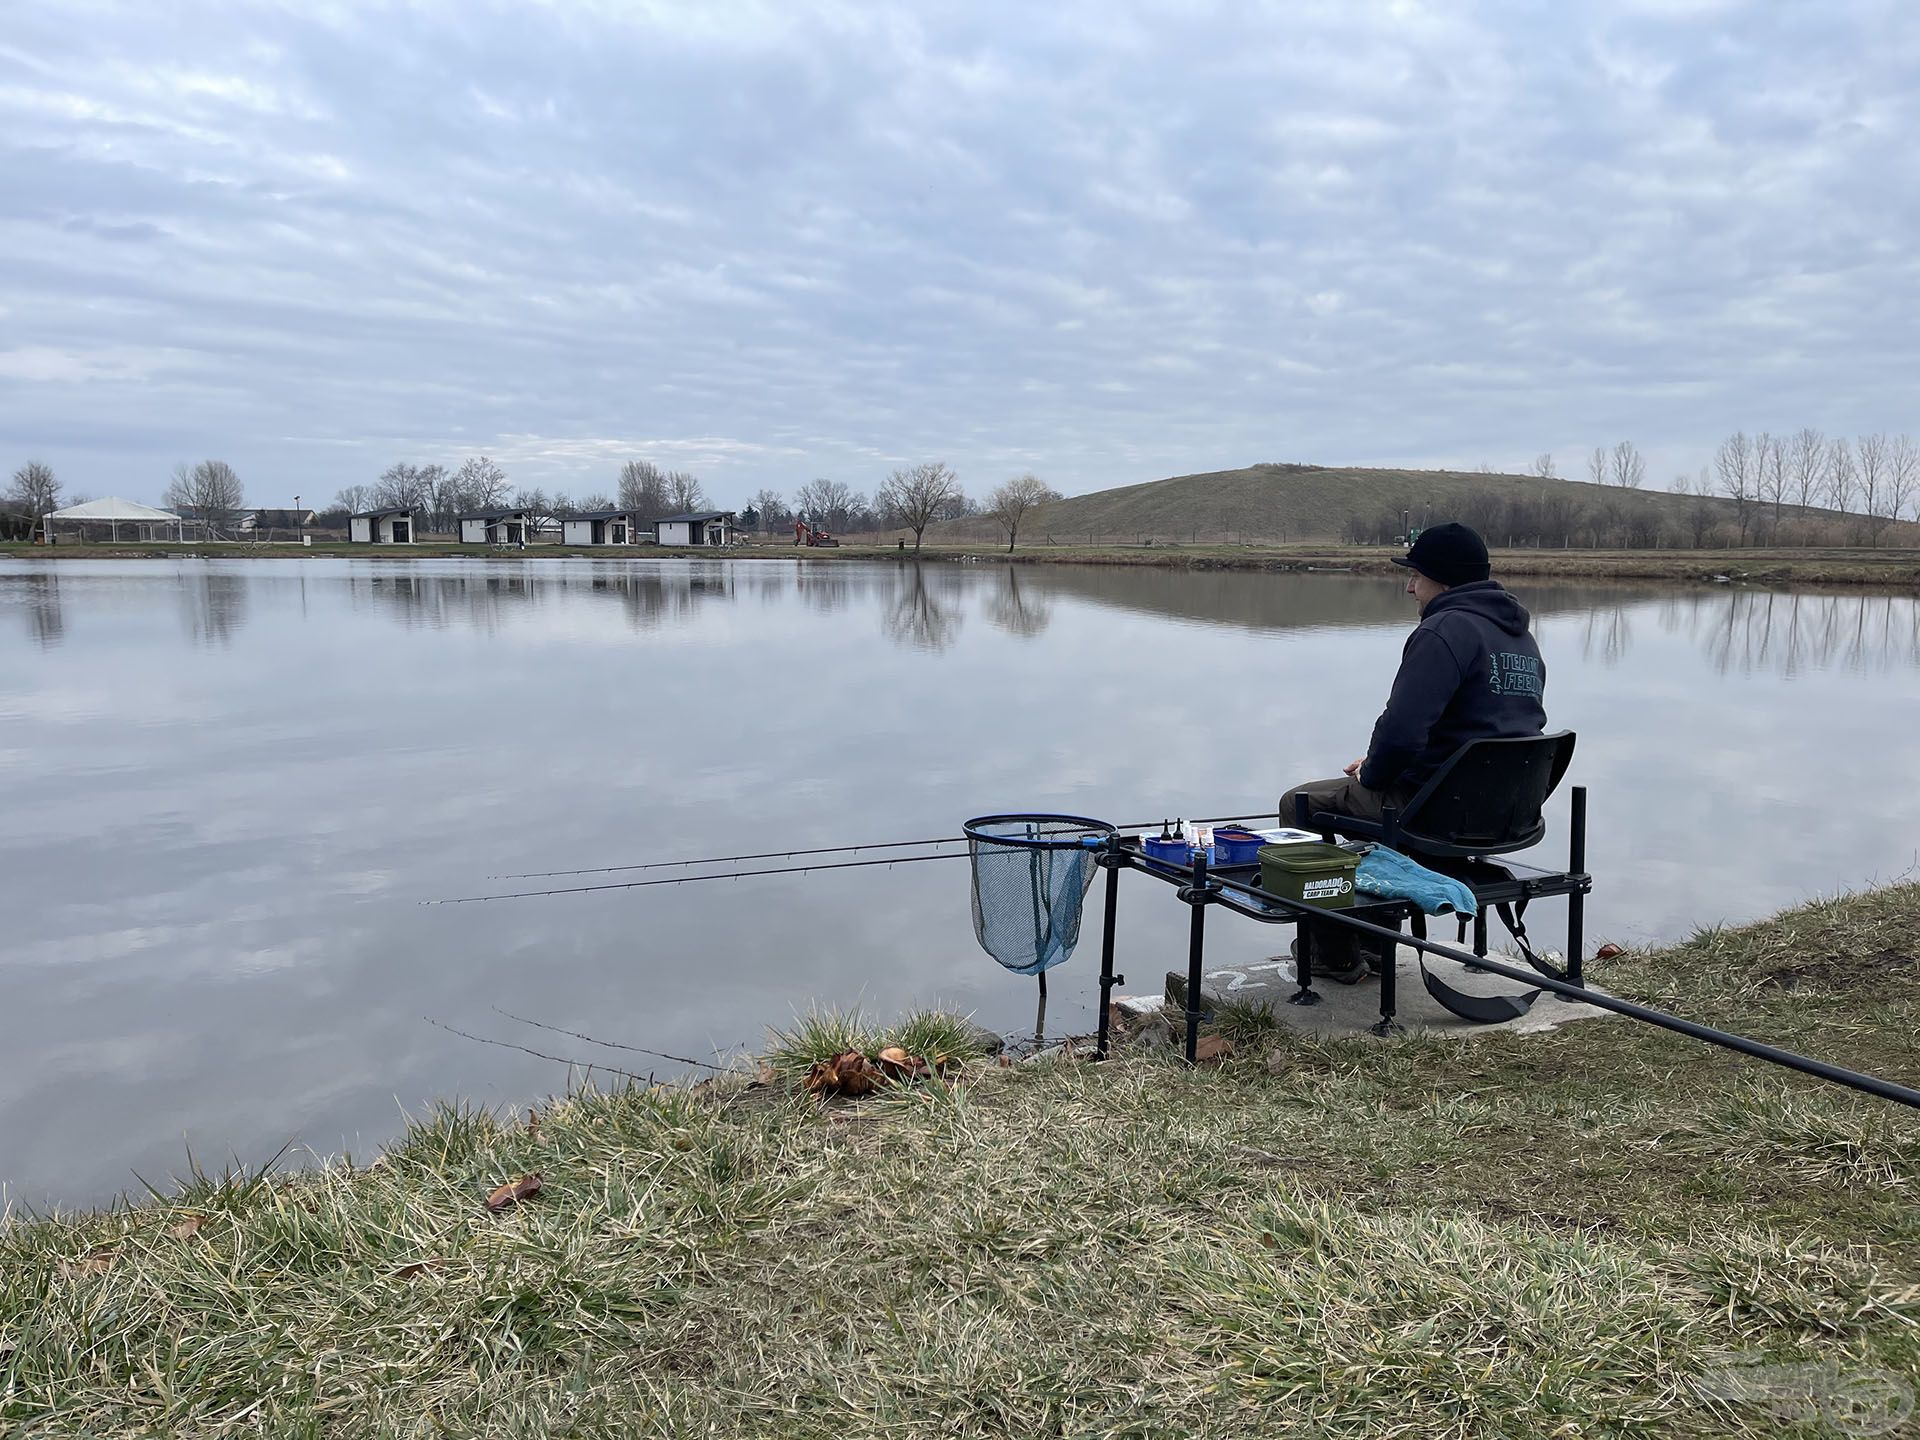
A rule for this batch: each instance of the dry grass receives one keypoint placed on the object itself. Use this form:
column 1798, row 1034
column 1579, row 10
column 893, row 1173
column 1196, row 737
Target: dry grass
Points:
column 1509, row 1237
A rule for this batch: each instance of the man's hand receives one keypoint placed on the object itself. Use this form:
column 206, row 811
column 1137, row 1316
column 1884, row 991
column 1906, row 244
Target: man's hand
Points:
column 1352, row 771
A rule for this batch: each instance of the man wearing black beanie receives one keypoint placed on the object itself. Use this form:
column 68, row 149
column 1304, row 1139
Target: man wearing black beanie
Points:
column 1470, row 671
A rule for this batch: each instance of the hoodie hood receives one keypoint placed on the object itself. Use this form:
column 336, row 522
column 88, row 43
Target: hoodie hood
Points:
column 1487, row 599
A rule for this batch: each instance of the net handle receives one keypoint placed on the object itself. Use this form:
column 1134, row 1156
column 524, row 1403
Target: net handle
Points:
column 1077, row 822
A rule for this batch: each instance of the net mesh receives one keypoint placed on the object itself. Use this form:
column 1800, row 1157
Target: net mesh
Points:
column 1030, row 879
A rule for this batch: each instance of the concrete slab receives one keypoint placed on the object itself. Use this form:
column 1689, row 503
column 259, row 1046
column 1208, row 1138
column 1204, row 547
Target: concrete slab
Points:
column 1355, row 1009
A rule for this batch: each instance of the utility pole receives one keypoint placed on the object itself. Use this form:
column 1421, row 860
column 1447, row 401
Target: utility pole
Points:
column 300, row 520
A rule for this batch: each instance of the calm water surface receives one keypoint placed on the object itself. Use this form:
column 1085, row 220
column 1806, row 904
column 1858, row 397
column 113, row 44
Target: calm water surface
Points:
column 227, row 786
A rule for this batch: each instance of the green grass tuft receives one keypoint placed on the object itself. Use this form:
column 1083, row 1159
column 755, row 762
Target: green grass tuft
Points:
column 933, row 1033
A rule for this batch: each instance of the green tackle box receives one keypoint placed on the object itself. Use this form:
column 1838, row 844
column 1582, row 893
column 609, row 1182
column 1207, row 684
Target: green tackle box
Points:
column 1309, row 871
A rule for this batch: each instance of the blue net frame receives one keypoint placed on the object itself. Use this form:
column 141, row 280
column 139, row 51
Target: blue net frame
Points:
column 1031, row 874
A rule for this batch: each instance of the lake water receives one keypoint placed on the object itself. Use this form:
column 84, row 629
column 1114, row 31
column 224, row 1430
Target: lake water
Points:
column 228, row 785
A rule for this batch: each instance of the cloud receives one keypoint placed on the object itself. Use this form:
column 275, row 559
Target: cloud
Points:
column 773, row 242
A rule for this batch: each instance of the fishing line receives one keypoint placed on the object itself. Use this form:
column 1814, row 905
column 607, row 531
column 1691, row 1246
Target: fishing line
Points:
column 617, row 1044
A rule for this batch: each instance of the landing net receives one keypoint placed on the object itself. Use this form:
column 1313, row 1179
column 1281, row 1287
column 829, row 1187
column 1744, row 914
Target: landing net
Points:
column 1030, row 879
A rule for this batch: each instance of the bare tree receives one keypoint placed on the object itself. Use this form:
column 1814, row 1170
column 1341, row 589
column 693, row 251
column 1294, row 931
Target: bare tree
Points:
column 1012, row 502
column 685, row 493
column 35, row 490
column 481, row 481
column 1770, row 455
column 914, row 496
column 769, row 506
column 562, row 505
column 825, row 501
column 1807, row 458
column 1628, row 470
column 1734, row 462
column 406, row 486
column 353, row 498
column 1841, row 476
column 1874, row 453
column 211, row 490
column 594, row 503
column 643, row 490
column 1543, row 466
column 1597, row 465
column 1903, row 476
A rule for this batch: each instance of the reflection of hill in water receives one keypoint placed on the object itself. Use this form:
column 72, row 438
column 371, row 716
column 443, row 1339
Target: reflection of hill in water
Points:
column 1261, row 601
column 1746, row 630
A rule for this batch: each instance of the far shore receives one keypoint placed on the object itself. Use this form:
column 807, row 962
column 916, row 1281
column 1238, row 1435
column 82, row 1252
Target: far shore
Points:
column 1893, row 569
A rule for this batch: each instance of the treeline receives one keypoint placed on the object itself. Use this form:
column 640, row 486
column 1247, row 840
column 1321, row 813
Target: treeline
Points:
column 1804, row 488
column 911, row 498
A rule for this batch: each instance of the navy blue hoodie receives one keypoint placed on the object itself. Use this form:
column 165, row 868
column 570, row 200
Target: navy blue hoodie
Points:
column 1470, row 671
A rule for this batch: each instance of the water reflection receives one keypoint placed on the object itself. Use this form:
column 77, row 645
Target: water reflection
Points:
column 1019, row 607
column 45, row 622
column 924, row 611
column 923, row 605
column 213, row 604
column 486, row 601
column 1783, row 633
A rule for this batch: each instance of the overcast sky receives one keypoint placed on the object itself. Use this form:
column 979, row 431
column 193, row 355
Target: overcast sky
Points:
column 1103, row 242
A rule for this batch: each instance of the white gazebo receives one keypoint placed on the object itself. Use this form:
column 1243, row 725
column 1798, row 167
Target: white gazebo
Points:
column 113, row 512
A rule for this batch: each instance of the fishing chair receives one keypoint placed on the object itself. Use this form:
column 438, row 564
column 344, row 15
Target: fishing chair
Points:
column 1486, row 799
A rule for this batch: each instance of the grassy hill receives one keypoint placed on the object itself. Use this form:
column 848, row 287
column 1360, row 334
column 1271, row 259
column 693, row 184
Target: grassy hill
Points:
column 1281, row 503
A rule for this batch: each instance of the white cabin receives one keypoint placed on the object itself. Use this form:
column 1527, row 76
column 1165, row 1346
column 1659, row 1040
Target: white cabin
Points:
column 714, row 529
column 600, row 527
column 381, row 527
column 497, row 527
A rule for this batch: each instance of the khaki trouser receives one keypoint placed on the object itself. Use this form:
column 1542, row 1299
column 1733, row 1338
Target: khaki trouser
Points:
column 1344, row 796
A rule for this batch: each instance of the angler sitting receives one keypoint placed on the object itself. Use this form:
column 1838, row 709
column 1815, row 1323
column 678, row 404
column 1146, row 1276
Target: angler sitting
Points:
column 1470, row 671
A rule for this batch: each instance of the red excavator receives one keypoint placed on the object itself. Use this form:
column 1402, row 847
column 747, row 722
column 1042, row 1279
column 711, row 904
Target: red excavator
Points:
column 805, row 534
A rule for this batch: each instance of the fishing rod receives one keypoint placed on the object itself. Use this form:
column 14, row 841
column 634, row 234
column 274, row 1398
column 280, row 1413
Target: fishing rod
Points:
column 693, row 879
column 822, row 850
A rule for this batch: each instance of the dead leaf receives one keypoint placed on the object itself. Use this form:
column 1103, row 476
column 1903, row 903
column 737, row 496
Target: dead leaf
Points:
column 896, row 1064
column 502, row 1197
column 418, row 1267
column 533, row 1124
column 849, row 1073
column 1212, row 1049
column 188, row 1226
column 96, row 1261
column 1608, row 951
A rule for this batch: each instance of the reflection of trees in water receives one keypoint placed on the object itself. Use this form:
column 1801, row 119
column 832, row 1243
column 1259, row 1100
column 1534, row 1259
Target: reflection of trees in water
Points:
column 827, row 585
column 45, row 619
column 922, row 612
column 1791, row 633
column 1608, row 634
column 1016, row 607
column 767, row 582
column 213, row 604
column 488, row 601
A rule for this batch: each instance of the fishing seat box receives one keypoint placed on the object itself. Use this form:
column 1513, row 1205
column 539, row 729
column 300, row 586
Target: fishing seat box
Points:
column 1310, row 871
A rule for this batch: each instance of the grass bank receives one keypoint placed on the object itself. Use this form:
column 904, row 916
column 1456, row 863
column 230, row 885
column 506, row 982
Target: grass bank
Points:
column 1503, row 1236
column 1888, row 568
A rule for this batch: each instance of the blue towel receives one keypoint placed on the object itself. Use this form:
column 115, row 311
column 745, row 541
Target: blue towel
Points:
column 1392, row 876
